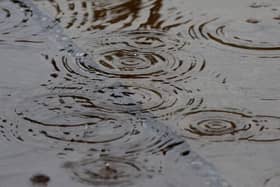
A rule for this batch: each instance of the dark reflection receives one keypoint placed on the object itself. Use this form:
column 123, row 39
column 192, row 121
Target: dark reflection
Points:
column 154, row 16
column 97, row 15
column 229, row 125
column 159, row 19
column 116, row 15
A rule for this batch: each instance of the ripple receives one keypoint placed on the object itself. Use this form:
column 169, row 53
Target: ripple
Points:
column 65, row 74
column 252, row 35
column 140, row 39
column 90, row 16
column 228, row 125
column 62, row 120
column 142, row 170
column 108, row 170
column 17, row 27
column 95, row 15
column 134, row 64
column 14, row 15
column 50, row 118
column 161, row 100
column 244, row 33
column 124, row 63
column 140, row 57
column 158, row 96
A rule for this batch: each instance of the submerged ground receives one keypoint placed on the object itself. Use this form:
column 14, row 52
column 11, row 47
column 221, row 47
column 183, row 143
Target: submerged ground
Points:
column 168, row 93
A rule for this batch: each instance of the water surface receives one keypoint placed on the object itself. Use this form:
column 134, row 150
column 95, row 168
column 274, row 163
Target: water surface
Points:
column 139, row 93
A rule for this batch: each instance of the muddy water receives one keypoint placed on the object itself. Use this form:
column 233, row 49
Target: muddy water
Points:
column 139, row 93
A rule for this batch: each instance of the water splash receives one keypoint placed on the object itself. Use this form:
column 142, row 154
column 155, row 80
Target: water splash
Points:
column 108, row 170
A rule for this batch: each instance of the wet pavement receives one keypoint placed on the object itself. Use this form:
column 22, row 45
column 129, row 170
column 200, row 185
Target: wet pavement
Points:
column 139, row 93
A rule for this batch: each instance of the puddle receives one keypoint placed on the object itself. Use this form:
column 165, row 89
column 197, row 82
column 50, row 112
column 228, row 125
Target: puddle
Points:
column 139, row 93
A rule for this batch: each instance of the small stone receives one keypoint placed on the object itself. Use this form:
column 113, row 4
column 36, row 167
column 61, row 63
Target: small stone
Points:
column 40, row 179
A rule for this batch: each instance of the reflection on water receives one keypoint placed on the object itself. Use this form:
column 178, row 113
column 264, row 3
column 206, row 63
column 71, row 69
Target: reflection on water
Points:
column 89, row 16
column 118, row 88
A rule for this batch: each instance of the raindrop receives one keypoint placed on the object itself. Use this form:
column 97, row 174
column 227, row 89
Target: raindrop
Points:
column 109, row 170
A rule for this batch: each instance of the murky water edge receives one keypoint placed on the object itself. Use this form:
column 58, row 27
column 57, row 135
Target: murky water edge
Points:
column 139, row 93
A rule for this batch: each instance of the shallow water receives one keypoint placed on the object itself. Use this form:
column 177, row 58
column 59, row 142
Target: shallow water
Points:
column 139, row 93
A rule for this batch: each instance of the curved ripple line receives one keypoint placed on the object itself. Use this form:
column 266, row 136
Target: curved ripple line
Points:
column 219, row 125
column 140, row 56
column 16, row 25
column 14, row 15
column 89, row 16
column 108, row 170
column 245, row 34
column 59, row 121
column 163, row 100
column 66, row 74
column 97, row 15
column 134, row 64
column 140, row 39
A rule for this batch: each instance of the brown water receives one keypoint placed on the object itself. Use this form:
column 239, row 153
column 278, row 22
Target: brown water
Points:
column 139, row 93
